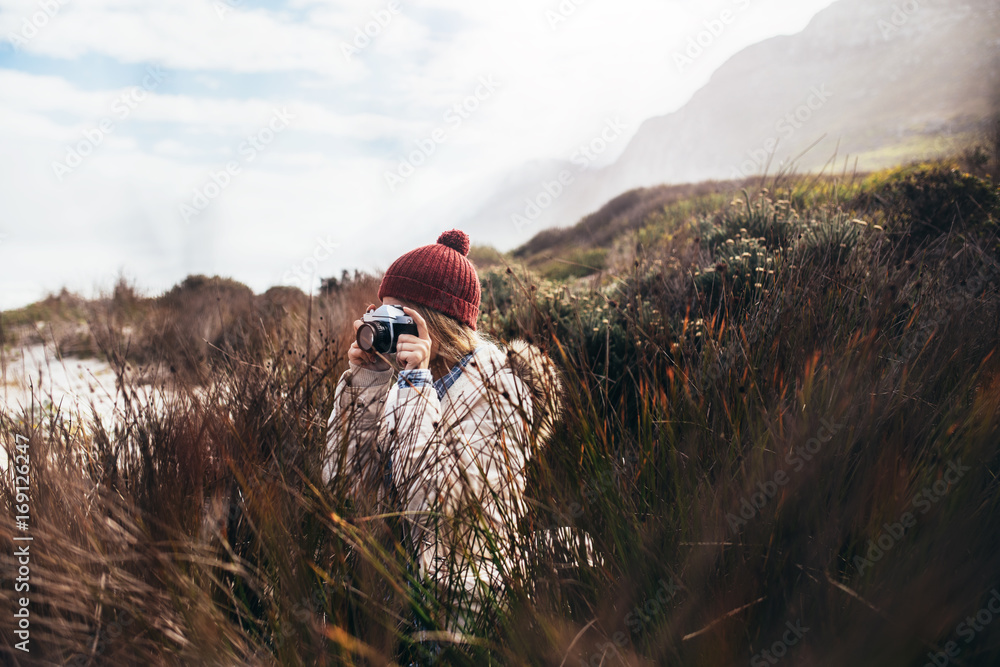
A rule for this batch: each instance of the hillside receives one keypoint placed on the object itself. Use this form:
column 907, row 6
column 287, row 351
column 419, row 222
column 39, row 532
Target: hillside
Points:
column 881, row 95
column 884, row 94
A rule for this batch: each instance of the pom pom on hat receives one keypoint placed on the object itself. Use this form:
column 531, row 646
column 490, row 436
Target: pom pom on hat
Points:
column 438, row 276
column 456, row 239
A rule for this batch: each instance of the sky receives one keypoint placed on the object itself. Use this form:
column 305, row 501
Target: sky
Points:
column 277, row 142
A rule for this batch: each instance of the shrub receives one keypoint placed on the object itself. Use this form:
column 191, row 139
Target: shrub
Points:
column 931, row 199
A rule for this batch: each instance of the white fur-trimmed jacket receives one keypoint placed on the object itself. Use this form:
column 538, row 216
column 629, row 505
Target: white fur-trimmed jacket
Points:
column 451, row 463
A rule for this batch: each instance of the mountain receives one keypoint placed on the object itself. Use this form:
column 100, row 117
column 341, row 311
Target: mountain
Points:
column 887, row 80
column 877, row 81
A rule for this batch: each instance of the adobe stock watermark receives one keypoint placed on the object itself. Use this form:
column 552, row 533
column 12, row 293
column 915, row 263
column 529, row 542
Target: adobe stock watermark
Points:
column 31, row 26
column 306, row 609
column 365, row 35
column 249, row 149
column 22, row 520
column 786, row 127
column 714, row 29
column 303, row 274
column 584, row 156
column 121, row 108
column 900, row 16
column 779, row 649
column 749, row 507
column 967, row 629
column 453, row 118
column 562, row 13
column 223, row 7
column 925, row 500
column 636, row 620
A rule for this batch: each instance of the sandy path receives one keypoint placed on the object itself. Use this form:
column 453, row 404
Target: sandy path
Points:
column 35, row 377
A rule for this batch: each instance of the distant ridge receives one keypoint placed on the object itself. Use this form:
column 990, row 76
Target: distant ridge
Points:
column 883, row 81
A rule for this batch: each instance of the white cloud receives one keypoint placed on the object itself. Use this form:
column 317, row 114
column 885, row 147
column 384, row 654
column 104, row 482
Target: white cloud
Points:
column 24, row 93
column 181, row 34
column 353, row 120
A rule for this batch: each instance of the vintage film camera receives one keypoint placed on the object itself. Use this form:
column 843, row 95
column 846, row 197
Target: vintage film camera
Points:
column 381, row 328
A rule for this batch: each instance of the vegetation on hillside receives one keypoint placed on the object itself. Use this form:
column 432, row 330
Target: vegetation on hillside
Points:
column 781, row 429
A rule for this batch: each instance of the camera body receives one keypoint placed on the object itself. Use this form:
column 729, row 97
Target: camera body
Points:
column 380, row 329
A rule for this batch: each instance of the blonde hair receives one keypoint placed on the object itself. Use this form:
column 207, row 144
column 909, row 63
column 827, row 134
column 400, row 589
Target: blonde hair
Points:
column 454, row 339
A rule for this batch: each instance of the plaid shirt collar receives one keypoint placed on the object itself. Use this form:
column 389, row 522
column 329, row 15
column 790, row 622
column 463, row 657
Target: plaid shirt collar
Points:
column 444, row 384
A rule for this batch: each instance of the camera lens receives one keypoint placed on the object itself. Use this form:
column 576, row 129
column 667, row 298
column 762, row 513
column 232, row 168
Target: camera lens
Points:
column 366, row 337
column 375, row 336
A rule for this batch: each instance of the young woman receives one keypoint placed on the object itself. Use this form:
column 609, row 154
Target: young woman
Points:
column 446, row 439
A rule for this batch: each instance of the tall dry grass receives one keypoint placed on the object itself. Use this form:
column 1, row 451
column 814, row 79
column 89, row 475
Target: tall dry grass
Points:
column 780, row 413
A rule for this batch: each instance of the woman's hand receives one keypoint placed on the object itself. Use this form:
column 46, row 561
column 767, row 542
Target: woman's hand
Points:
column 414, row 352
column 368, row 360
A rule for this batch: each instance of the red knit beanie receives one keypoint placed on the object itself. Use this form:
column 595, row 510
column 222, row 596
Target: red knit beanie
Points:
column 438, row 276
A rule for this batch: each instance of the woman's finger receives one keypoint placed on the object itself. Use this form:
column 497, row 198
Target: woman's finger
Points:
column 413, row 342
column 419, row 320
